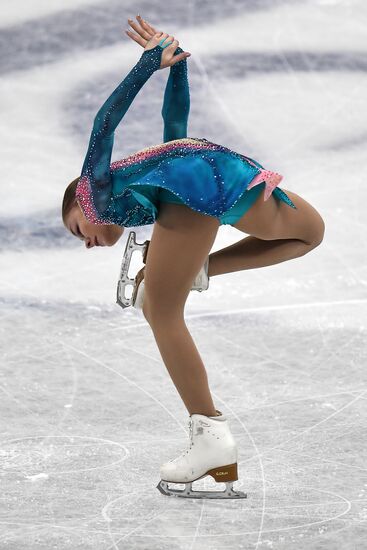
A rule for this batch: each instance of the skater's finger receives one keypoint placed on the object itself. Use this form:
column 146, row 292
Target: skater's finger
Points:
column 179, row 57
column 172, row 44
column 154, row 41
column 136, row 37
column 142, row 32
column 146, row 25
column 168, row 52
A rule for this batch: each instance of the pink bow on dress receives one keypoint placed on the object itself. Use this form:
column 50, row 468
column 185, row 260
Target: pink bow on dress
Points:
column 272, row 179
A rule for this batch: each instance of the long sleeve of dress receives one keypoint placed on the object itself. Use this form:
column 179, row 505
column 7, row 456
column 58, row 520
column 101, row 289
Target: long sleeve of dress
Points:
column 96, row 167
column 176, row 104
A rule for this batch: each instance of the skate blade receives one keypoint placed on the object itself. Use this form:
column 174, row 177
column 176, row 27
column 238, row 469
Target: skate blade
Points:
column 124, row 280
column 188, row 491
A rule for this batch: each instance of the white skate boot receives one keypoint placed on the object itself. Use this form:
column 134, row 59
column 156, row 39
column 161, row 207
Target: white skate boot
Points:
column 200, row 283
column 212, row 451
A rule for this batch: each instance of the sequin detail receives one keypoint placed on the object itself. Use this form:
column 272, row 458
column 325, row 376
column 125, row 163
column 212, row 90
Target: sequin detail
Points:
column 208, row 177
column 164, row 150
column 272, row 179
column 154, row 154
column 85, row 199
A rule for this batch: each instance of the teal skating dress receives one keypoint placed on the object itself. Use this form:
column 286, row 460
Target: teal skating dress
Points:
column 203, row 175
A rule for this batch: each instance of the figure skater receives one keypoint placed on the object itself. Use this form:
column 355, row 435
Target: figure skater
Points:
column 187, row 187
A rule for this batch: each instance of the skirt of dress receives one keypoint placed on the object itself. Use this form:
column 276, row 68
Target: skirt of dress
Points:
column 207, row 177
column 233, row 214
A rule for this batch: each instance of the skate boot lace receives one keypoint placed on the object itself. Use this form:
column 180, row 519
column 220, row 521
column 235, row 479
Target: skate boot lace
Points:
column 191, row 435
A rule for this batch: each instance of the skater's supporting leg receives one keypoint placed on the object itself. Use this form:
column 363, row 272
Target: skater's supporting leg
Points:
column 184, row 364
column 180, row 243
column 277, row 233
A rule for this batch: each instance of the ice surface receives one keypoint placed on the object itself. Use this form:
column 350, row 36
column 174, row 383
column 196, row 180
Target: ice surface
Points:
column 87, row 411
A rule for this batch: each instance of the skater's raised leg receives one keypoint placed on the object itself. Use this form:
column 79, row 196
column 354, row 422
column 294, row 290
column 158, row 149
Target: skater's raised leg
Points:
column 180, row 243
column 276, row 232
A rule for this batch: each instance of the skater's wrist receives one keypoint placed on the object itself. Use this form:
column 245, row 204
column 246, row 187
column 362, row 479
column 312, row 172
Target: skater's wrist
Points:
column 151, row 59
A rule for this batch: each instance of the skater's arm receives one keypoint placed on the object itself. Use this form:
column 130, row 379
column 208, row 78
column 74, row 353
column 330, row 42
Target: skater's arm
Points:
column 97, row 160
column 176, row 104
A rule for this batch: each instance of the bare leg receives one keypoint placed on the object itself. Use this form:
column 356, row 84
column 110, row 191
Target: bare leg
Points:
column 184, row 364
column 252, row 252
column 276, row 233
column 181, row 240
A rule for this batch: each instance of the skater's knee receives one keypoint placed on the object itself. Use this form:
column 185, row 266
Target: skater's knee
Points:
column 163, row 299
column 319, row 232
column 165, row 318
column 317, row 235
column 164, row 315
column 158, row 313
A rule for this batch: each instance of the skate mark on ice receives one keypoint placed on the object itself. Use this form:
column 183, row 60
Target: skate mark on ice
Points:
column 307, row 430
column 127, row 379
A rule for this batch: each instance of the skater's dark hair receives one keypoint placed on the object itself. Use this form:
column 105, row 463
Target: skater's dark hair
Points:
column 69, row 200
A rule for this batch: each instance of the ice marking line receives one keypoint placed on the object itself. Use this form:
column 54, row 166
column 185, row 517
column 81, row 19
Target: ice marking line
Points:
column 306, row 398
column 307, row 429
column 114, row 544
column 310, row 372
column 229, row 534
column 137, row 351
column 289, row 528
column 260, row 530
column 219, row 535
column 341, row 431
column 318, row 356
column 234, row 344
column 269, row 358
column 107, row 518
column 29, row 411
column 258, row 456
column 321, row 459
column 66, row 412
column 65, row 527
column 260, row 309
column 71, row 436
column 129, row 380
column 346, row 265
column 284, row 307
column 39, row 419
column 202, row 506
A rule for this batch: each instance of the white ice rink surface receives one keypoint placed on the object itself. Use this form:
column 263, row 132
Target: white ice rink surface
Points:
column 88, row 412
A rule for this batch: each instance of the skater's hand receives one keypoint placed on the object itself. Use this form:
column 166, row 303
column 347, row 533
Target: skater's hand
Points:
column 168, row 54
column 144, row 31
column 148, row 37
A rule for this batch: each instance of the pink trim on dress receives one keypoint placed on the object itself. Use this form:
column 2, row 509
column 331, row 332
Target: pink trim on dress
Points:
column 272, row 179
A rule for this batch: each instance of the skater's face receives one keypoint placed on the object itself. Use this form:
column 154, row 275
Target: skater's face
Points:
column 90, row 233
